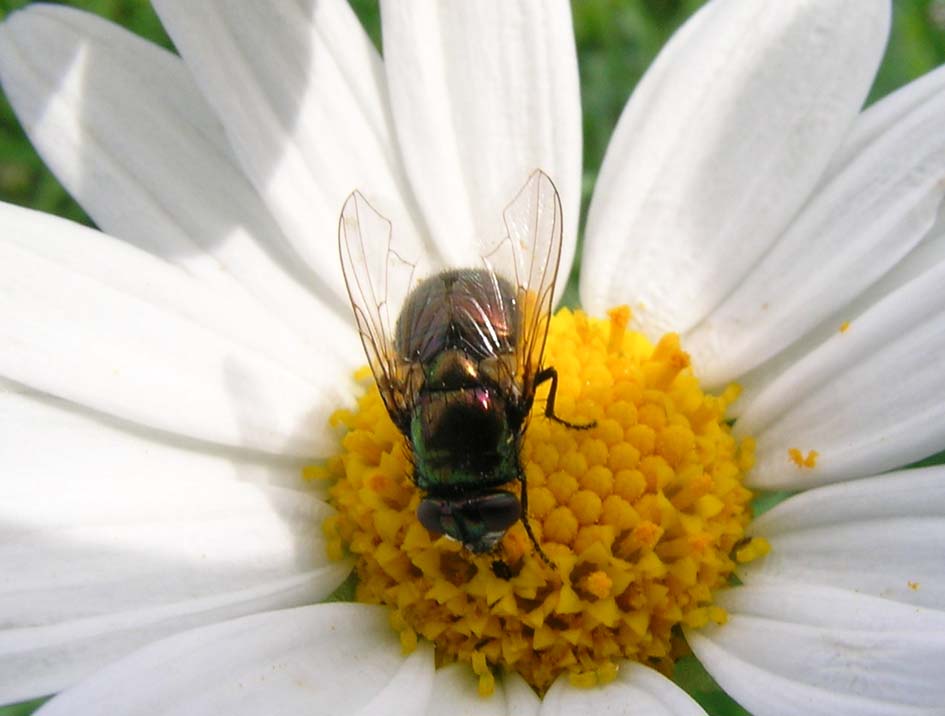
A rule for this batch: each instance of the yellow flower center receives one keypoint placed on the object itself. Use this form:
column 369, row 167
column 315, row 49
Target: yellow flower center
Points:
column 640, row 516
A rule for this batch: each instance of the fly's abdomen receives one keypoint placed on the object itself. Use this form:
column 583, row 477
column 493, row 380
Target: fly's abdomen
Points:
column 461, row 438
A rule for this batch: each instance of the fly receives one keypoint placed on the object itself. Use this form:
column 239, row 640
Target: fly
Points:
column 458, row 368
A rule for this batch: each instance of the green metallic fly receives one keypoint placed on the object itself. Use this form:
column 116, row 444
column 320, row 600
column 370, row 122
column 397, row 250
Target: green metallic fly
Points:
column 459, row 367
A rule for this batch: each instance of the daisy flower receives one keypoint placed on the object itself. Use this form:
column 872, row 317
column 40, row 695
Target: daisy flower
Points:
column 168, row 383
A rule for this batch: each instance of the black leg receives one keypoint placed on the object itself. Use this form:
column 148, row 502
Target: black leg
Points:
column 501, row 570
column 551, row 374
column 528, row 527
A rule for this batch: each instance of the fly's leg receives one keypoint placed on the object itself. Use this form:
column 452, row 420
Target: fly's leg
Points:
column 528, row 527
column 501, row 570
column 546, row 374
column 542, row 376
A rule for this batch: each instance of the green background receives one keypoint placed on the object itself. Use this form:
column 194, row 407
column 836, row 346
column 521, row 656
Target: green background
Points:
column 616, row 40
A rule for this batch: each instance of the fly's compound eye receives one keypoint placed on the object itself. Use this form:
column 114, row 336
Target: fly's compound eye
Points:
column 478, row 522
column 436, row 516
column 496, row 512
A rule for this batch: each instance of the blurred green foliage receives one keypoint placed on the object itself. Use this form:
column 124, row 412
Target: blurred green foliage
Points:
column 616, row 40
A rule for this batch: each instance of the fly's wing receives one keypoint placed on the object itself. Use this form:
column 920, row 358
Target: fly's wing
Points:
column 528, row 257
column 378, row 281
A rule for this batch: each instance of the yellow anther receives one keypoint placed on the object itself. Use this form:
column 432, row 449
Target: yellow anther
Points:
column 647, row 534
column 586, row 507
column 696, row 488
column 583, row 680
column 598, row 584
column 619, row 318
column 562, row 485
column 561, row 525
column 756, row 547
column 408, row 640
column 629, row 484
column 599, row 480
column 617, row 512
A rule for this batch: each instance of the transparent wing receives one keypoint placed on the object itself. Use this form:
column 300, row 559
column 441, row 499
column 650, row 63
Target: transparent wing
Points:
column 528, row 258
column 378, row 280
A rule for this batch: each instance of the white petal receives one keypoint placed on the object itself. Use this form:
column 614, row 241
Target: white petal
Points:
column 883, row 536
column 455, row 693
column 798, row 649
column 876, row 120
column 91, row 319
column 123, row 126
column 637, row 691
column 881, row 116
column 325, row 659
column 519, row 697
column 300, row 93
column 929, row 255
column 484, row 93
column 867, row 400
column 861, row 222
column 114, row 538
column 721, row 143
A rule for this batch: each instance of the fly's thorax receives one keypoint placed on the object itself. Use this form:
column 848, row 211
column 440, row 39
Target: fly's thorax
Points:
column 451, row 370
column 462, row 440
column 455, row 369
column 471, row 310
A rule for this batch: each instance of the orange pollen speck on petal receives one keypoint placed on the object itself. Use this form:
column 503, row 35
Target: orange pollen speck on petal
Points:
column 643, row 517
column 805, row 462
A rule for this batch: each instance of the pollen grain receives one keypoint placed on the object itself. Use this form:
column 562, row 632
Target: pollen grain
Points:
column 805, row 462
